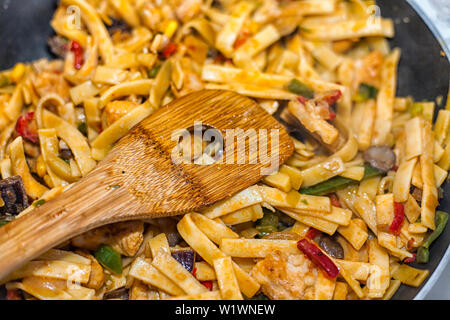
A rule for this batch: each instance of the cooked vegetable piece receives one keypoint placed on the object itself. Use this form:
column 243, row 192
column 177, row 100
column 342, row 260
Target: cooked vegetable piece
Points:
column 13, row 196
column 330, row 246
column 267, row 224
column 78, row 53
column 109, row 258
column 297, row 87
column 27, row 128
column 336, row 183
column 380, row 157
column 186, row 257
column 317, row 256
column 423, row 254
column 154, row 71
column 58, row 46
column 399, row 217
column 365, row 92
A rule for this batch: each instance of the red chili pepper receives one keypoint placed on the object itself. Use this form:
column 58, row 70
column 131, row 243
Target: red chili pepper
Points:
column 194, row 272
column 13, row 295
column 312, row 233
column 319, row 258
column 169, row 50
column 335, row 200
column 26, row 128
column 412, row 259
column 395, row 168
column 78, row 55
column 332, row 116
column 302, row 99
column 207, row 284
column 399, row 216
column 332, row 97
column 242, row 38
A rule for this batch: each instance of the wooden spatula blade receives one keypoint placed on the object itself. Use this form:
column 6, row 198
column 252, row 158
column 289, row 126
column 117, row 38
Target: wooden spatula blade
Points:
column 143, row 164
column 139, row 178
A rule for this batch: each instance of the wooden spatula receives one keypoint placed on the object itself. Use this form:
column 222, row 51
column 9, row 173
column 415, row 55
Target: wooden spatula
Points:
column 138, row 178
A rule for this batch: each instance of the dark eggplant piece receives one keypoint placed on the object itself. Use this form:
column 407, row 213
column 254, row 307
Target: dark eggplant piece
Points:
column 118, row 25
column 330, row 245
column 380, row 157
column 169, row 227
column 13, row 195
column 186, row 257
column 65, row 154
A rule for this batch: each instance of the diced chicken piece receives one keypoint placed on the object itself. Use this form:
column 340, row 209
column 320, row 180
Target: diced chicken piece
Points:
column 48, row 82
column 286, row 277
column 116, row 110
column 128, row 237
column 125, row 237
column 97, row 276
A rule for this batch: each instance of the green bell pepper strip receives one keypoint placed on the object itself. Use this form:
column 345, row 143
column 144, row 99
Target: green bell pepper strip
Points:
column 297, row 87
column 423, row 254
column 154, row 71
column 109, row 258
column 365, row 92
column 337, row 183
column 267, row 224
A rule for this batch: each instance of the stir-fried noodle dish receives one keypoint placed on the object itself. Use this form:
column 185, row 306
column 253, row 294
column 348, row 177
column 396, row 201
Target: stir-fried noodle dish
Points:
column 351, row 214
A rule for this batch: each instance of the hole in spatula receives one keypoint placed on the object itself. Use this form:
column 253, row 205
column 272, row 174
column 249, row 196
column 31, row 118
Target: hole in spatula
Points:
column 200, row 144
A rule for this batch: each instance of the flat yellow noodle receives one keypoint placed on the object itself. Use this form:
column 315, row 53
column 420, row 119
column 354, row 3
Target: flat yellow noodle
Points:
column 209, row 252
column 252, row 213
column 413, row 137
column 147, row 273
column 350, row 30
column 229, row 288
column 379, row 278
column 354, row 233
column 215, row 231
column 74, row 139
column 49, row 150
column 430, row 193
column 386, row 98
column 20, row 167
column 229, row 32
column 62, row 270
column 243, row 199
column 95, row 26
column 103, row 143
column 126, row 11
column 175, row 271
column 402, row 180
column 337, row 215
column 256, row 248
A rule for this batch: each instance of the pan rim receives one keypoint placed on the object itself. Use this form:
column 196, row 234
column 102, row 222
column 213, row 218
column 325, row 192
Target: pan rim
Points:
column 445, row 260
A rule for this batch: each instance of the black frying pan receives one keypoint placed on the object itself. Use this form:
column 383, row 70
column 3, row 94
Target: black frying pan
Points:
column 423, row 71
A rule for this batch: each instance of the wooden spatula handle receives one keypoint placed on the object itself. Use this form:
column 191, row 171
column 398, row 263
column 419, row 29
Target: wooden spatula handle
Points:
column 81, row 208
